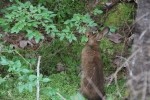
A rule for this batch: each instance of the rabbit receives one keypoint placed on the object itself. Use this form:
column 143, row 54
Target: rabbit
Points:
column 92, row 78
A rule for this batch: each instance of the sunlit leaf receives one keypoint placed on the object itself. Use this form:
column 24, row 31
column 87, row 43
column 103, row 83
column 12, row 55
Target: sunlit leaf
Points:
column 84, row 39
column 45, row 80
column 4, row 61
column 97, row 11
column 32, row 77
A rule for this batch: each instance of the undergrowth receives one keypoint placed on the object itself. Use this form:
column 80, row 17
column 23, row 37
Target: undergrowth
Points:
column 66, row 82
column 122, row 14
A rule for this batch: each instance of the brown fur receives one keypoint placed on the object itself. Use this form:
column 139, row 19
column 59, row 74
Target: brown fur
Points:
column 92, row 68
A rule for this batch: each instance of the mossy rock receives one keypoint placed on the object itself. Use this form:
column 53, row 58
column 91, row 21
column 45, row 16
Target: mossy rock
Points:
column 121, row 14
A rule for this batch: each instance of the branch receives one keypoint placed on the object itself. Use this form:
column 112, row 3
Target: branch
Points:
column 38, row 83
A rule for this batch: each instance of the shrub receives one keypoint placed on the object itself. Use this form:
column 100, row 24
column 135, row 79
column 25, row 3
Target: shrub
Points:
column 34, row 21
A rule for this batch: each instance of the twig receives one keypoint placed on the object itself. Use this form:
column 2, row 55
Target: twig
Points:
column 116, row 72
column 38, row 83
column 61, row 96
column 22, row 57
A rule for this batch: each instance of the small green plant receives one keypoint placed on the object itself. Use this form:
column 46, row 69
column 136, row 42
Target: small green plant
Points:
column 64, row 8
column 112, row 29
column 34, row 21
column 26, row 80
column 78, row 23
column 97, row 11
column 24, row 17
column 16, row 72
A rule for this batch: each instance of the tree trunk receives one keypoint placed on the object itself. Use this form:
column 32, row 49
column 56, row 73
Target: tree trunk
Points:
column 139, row 69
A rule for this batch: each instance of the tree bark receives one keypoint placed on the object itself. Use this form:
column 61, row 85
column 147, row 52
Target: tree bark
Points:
column 139, row 69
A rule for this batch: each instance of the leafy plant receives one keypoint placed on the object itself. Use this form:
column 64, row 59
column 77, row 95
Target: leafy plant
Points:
column 26, row 78
column 112, row 29
column 24, row 17
column 64, row 8
column 97, row 11
column 17, row 72
column 36, row 20
column 78, row 23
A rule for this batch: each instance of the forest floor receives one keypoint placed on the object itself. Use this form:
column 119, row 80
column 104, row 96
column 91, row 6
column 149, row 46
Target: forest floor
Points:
column 61, row 60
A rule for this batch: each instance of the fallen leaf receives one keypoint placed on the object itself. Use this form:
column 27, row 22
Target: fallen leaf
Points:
column 117, row 62
column 116, row 38
column 120, row 61
column 108, row 3
column 24, row 43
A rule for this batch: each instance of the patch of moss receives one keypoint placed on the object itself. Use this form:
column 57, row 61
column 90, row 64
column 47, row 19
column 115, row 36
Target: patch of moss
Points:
column 112, row 91
column 67, row 84
column 108, row 49
column 121, row 14
column 51, row 55
column 60, row 52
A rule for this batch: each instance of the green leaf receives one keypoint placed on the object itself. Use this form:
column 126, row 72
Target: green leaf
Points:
column 62, row 36
column 21, row 87
column 73, row 37
column 2, row 80
column 70, row 40
column 32, row 9
column 53, row 34
column 33, row 24
column 110, row 97
column 30, row 87
column 45, row 80
column 4, row 61
column 91, row 24
column 112, row 29
column 82, row 29
column 17, row 64
column 30, row 34
column 2, row 21
column 53, row 15
column 66, row 30
column 76, row 17
column 18, row 27
column 25, row 71
column 84, row 39
column 32, row 77
column 70, row 37
column 38, row 36
column 86, row 18
column 67, row 22
column 97, row 11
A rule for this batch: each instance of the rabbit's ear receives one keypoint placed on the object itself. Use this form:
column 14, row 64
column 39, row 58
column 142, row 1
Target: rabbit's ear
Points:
column 100, row 35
